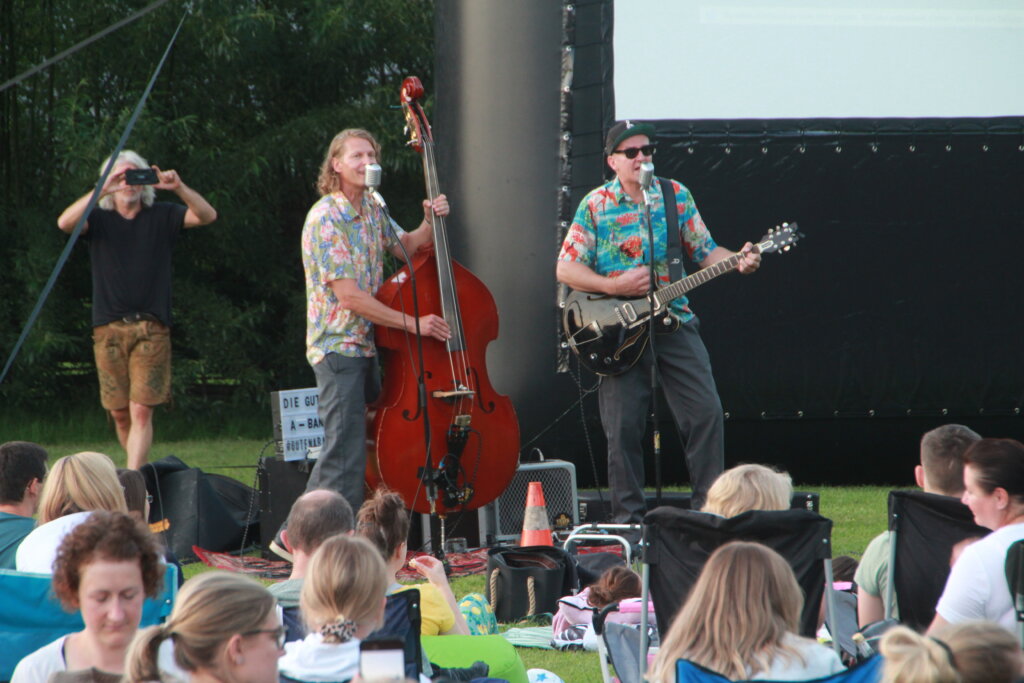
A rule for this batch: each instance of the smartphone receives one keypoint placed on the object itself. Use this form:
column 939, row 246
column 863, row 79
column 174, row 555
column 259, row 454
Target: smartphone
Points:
column 140, row 176
column 382, row 659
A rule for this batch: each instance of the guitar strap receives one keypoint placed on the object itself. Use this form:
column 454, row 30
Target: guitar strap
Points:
column 673, row 247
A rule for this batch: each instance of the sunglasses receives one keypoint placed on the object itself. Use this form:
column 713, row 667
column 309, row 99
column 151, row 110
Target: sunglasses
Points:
column 279, row 634
column 632, row 152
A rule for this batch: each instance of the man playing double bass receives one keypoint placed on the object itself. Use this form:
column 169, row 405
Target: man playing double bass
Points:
column 606, row 251
column 343, row 243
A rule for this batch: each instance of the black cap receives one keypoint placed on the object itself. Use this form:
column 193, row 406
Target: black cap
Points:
column 626, row 129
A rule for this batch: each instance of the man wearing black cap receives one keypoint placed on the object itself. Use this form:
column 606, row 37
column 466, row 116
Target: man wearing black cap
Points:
column 605, row 251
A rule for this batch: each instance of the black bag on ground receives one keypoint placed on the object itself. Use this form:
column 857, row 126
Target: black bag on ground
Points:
column 527, row 581
column 211, row 511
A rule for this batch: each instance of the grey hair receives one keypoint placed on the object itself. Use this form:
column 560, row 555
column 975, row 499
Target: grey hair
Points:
column 134, row 158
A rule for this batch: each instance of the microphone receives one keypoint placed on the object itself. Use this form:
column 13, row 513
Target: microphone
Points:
column 646, row 175
column 371, row 179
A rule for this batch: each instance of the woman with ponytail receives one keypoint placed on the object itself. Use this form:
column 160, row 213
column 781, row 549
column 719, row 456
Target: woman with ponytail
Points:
column 384, row 521
column 224, row 629
column 342, row 601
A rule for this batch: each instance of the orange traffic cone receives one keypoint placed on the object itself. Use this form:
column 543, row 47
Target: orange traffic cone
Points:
column 536, row 528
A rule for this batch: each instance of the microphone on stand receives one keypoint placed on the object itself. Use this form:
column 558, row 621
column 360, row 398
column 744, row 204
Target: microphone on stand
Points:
column 646, row 175
column 371, row 179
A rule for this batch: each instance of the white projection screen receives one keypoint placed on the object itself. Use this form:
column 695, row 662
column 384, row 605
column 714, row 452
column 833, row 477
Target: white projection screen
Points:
column 741, row 59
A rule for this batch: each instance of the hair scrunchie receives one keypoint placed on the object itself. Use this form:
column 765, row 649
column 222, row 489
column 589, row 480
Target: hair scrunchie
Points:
column 341, row 630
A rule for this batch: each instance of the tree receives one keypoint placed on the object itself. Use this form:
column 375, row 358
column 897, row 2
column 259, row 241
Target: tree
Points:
column 244, row 109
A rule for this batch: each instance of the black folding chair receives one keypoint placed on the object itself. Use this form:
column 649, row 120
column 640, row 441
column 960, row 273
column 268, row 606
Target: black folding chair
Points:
column 923, row 529
column 402, row 621
column 679, row 542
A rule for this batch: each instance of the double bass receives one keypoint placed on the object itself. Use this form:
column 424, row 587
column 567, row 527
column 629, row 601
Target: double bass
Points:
column 473, row 431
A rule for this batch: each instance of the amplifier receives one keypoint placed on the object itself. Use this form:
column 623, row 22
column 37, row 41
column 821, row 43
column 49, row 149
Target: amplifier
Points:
column 502, row 520
column 281, row 483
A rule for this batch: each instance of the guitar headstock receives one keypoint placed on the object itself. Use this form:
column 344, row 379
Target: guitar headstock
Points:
column 416, row 124
column 780, row 238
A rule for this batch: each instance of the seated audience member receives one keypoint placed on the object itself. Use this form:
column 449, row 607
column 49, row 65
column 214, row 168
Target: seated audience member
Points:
column 22, row 470
column 941, row 471
column 749, row 487
column 572, row 624
column 106, row 567
column 984, row 652
column 384, row 521
column 76, row 486
column 741, row 621
column 994, row 491
column 910, row 657
column 315, row 516
column 224, row 628
column 342, row 602
column 133, row 484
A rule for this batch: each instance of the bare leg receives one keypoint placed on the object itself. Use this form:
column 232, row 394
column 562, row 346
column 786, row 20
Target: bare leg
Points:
column 140, row 437
column 122, row 424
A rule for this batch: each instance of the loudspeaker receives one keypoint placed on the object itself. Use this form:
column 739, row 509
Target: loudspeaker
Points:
column 502, row 520
column 280, row 484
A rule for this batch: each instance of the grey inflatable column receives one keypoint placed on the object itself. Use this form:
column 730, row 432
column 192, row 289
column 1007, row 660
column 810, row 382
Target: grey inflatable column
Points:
column 496, row 125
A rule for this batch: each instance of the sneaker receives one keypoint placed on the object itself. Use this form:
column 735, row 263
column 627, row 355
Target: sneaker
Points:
column 278, row 547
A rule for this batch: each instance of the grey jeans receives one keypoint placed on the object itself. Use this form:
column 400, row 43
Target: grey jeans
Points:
column 684, row 373
column 345, row 385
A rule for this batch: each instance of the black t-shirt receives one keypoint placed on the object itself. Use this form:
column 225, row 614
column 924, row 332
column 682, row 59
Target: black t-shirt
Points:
column 131, row 261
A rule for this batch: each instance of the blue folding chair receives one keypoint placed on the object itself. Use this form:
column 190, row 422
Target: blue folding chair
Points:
column 30, row 615
column 869, row 671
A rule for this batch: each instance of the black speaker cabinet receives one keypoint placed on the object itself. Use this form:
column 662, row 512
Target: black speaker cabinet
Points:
column 502, row 520
column 280, row 484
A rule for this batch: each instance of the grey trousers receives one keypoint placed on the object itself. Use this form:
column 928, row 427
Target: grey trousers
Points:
column 345, row 386
column 684, row 373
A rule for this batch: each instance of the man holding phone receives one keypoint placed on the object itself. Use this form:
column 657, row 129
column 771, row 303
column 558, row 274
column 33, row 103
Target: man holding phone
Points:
column 130, row 238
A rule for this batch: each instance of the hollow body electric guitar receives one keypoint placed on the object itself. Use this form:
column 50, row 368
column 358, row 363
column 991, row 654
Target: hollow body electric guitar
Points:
column 609, row 334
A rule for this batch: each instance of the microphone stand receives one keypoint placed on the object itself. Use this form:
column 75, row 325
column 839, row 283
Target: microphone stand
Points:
column 428, row 469
column 651, row 302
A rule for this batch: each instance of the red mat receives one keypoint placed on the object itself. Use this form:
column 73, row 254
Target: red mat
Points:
column 462, row 564
column 245, row 564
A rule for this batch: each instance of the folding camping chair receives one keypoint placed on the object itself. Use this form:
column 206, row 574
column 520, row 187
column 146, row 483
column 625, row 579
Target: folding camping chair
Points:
column 30, row 615
column 679, row 542
column 923, row 529
column 614, row 533
column 621, row 644
column 867, row 671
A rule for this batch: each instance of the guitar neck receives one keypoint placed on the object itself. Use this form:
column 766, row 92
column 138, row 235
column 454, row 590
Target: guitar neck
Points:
column 680, row 287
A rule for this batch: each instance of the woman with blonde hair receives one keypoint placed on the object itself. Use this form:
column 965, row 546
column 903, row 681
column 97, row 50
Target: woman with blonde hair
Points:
column 223, row 628
column 77, row 485
column 749, row 487
column 342, row 602
column 741, row 620
column 910, row 657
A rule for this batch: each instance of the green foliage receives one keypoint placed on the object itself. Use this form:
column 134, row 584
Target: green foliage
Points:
column 244, row 109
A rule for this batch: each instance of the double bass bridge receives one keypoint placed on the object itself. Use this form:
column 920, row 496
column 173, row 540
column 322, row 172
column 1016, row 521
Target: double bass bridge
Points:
column 453, row 394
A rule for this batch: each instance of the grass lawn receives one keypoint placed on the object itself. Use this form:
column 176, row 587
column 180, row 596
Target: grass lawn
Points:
column 858, row 514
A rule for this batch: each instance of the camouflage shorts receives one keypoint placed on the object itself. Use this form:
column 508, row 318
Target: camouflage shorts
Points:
column 133, row 361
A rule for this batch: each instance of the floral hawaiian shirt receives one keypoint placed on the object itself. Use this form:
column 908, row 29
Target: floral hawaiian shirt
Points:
column 337, row 243
column 609, row 236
